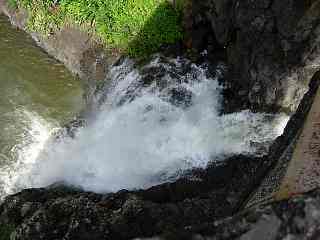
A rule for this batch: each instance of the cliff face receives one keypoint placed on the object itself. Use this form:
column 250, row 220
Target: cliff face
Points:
column 272, row 47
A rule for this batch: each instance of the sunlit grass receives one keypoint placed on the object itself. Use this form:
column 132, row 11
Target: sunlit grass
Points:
column 133, row 27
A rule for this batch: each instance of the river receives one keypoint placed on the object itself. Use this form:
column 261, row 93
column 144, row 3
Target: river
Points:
column 37, row 94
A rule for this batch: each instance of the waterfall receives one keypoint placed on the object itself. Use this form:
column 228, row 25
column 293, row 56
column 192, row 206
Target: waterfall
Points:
column 150, row 124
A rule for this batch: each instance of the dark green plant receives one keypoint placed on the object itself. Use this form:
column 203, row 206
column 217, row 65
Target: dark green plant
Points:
column 12, row 4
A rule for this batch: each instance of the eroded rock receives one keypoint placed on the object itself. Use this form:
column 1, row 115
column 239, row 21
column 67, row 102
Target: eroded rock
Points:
column 65, row 213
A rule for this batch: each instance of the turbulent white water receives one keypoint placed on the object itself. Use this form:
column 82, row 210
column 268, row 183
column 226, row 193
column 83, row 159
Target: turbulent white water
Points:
column 25, row 154
column 144, row 133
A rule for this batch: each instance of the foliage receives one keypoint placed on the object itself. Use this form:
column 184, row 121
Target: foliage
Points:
column 5, row 231
column 12, row 4
column 135, row 27
column 180, row 5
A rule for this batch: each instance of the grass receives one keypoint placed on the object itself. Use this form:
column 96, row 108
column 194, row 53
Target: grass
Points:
column 133, row 27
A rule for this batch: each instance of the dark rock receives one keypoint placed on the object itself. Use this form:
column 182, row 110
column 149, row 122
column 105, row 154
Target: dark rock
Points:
column 180, row 96
column 77, row 215
column 297, row 218
column 272, row 49
column 70, row 128
column 199, row 34
column 65, row 213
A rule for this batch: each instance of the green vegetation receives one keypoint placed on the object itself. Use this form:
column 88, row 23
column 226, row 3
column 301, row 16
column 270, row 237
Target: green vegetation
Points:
column 5, row 232
column 12, row 3
column 134, row 27
column 180, row 5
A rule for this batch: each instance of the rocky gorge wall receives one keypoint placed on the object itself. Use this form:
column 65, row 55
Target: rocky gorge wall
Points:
column 272, row 48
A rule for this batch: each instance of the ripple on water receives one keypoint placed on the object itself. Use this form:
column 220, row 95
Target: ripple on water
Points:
column 31, row 91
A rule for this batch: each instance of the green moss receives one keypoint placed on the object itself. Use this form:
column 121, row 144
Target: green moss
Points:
column 135, row 27
column 5, row 232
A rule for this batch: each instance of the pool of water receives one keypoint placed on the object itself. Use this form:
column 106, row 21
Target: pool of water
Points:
column 37, row 94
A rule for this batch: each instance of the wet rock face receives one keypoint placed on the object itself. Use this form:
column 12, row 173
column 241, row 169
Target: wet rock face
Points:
column 62, row 213
column 298, row 218
column 272, row 47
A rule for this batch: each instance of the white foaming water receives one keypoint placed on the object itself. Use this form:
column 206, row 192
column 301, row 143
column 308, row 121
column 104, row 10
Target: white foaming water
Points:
column 33, row 140
column 143, row 134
